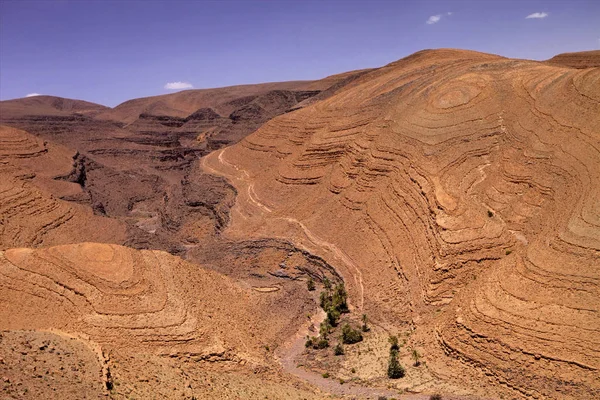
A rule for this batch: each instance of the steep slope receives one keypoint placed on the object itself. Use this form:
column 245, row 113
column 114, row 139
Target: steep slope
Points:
column 144, row 172
column 31, row 211
column 457, row 192
column 183, row 323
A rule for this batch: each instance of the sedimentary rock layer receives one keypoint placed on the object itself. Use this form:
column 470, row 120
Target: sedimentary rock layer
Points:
column 458, row 192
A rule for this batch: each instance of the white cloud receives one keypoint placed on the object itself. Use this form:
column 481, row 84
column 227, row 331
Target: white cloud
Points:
column 434, row 19
column 537, row 15
column 33, row 94
column 178, row 85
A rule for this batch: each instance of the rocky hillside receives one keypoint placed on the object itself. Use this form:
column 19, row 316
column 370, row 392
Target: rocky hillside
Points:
column 457, row 192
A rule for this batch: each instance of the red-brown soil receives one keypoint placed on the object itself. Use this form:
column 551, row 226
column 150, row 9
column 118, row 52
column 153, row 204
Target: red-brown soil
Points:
column 582, row 59
column 457, row 193
column 454, row 193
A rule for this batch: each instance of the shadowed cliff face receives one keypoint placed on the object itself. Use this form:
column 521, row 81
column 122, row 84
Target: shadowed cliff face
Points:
column 458, row 192
column 143, row 172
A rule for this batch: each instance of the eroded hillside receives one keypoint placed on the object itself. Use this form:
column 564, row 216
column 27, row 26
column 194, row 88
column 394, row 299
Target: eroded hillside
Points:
column 453, row 193
column 456, row 192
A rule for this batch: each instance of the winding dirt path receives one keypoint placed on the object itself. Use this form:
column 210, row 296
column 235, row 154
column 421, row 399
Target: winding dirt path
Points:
column 313, row 238
column 290, row 351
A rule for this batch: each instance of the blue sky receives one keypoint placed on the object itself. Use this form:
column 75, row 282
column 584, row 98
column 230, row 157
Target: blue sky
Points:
column 111, row 51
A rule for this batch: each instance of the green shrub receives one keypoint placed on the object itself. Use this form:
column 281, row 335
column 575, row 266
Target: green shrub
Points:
column 325, row 328
column 365, row 327
column 325, row 300
column 338, row 350
column 435, row 397
column 333, row 316
column 416, row 356
column 309, row 342
column 350, row 335
column 310, row 284
column 395, row 370
column 490, row 213
column 339, row 299
column 325, row 375
column 321, row 343
column 336, row 300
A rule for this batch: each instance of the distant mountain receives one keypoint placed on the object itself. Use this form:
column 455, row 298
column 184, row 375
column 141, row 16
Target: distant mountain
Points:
column 48, row 105
column 581, row 59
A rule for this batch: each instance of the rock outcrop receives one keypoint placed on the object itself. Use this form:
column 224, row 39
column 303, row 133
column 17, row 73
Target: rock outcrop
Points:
column 458, row 193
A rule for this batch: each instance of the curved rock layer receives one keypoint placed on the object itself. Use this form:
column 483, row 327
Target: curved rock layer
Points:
column 460, row 192
column 129, row 299
column 582, row 59
column 30, row 215
column 159, row 326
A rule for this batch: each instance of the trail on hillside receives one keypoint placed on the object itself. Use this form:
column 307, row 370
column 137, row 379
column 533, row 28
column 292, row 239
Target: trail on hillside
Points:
column 312, row 237
column 289, row 352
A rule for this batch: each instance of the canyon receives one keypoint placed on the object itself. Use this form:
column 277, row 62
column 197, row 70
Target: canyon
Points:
column 164, row 248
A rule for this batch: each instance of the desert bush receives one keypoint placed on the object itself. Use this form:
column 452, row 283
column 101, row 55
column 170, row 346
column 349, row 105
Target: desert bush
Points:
column 325, row 375
column 338, row 350
column 321, row 343
column 336, row 298
column 395, row 370
column 325, row 328
column 339, row 299
column 350, row 335
column 365, row 327
column 310, row 284
column 325, row 300
column 309, row 342
column 435, row 397
column 416, row 356
column 333, row 316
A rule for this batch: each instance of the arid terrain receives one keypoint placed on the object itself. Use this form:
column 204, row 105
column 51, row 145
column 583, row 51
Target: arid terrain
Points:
column 196, row 245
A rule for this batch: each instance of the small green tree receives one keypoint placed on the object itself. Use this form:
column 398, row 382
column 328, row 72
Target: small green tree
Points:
column 321, row 343
column 365, row 327
column 333, row 316
column 338, row 350
column 310, row 284
column 416, row 356
column 325, row 300
column 325, row 328
column 350, row 335
column 339, row 299
column 395, row 370
column 309, row 341
column 326, row 283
